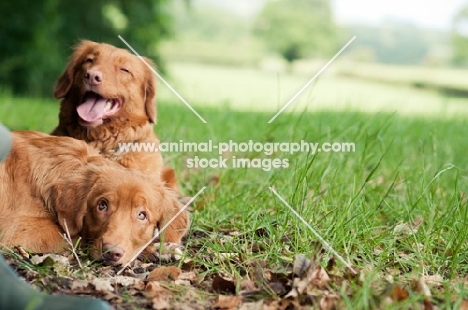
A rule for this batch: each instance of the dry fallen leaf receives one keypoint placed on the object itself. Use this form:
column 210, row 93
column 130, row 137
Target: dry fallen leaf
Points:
column 274, row 305
column 252, row 305
column 169, row 273
column 109, row 296
column 435, row 279
column 301, row 264
column 328, row 301
column 421, row 287
column 392, row 295
column 160, row 303
column 102, row 285
column 153, row 288
column 188, row 264
column 129, row 281
column 79, row 284
column 408, row 229
column 312, row 282
column 52, row 258
column 222, row 285
column 188, row 276
column 398, row 293
column 464, row 305
column 182, row 282
column 278, row 288
column 318, row 277
column 227, row 302
column 248, row 285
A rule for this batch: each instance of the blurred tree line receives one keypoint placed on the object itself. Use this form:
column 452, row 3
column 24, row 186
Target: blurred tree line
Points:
column 36, row 37
column 460, row 37
column 398, row 42
column 291, row 29
column 295, row 29
column 206, row 33
column 298, row 28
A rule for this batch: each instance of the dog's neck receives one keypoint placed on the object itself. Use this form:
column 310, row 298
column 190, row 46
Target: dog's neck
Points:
column 107, row 137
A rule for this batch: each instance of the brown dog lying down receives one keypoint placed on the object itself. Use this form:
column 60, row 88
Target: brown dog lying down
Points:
column 48, row 182
column 108, row 98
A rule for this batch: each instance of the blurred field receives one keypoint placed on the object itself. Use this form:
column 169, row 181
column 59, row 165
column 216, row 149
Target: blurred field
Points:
column 447, row 81
column 266, row 89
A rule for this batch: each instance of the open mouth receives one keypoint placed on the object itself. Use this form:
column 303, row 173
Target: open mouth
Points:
column 95, row 108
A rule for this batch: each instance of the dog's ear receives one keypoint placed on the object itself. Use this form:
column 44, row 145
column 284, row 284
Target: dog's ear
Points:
column 169, row 177
column 69, row 200
column 171, row 212
column 65, row 81
column 150, row 92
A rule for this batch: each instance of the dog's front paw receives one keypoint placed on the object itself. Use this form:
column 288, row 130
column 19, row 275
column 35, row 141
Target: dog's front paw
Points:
column 163, row 252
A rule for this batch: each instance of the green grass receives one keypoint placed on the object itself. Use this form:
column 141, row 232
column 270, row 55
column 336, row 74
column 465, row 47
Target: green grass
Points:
column 403, row 168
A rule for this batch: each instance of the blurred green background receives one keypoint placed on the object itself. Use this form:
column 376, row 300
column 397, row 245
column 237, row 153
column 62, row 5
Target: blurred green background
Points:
column 256, row 54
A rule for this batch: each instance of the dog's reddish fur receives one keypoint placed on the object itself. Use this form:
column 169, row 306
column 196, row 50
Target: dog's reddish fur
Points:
column 126, row 77
column 48, row 181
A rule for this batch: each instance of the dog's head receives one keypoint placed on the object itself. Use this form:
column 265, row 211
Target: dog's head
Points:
column 116, row 211
column 102, row 82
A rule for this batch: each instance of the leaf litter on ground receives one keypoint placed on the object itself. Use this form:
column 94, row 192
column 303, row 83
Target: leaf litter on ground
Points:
column 311, row 281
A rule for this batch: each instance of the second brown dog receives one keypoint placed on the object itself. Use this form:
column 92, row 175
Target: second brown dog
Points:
column 49, row 185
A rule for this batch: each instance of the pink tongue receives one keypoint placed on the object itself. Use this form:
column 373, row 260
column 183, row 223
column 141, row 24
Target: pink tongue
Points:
column 92, row 109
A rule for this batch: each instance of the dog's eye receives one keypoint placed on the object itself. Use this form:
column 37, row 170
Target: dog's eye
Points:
column 102, row 205
column 141, row 216
column 125, row 70
column 89, row 60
